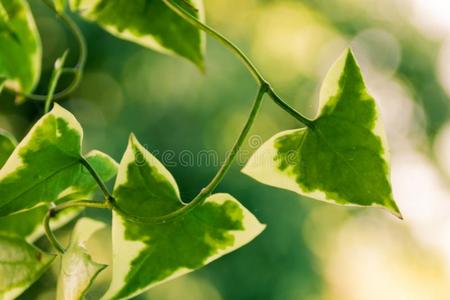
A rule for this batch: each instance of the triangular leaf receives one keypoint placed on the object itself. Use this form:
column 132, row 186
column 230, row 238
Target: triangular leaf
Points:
column 20, row 46
column 343, row 157
column 20, row 265
column 45, row 166
column 146, row 255
column 78, row 270
column 149, row 23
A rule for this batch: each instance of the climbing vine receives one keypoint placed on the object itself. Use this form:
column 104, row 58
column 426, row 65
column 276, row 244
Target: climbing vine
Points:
column 46, row 180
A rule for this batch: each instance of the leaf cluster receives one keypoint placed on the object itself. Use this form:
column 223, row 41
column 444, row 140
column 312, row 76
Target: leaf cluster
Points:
column 46, row 180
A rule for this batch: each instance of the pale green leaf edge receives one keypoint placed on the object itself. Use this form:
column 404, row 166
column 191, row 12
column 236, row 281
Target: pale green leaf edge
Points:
column 130, row 249
column 267, row 173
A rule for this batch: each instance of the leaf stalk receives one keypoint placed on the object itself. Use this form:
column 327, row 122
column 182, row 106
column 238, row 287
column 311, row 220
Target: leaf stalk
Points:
column 53, row 211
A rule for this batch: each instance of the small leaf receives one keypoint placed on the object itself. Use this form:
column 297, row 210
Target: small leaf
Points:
column 20, row 46
column 28, row 224
column 149, row 23
column 21, row 264
column 343, row 157
column 46, row 167
column 78, row 270
column 146, row 255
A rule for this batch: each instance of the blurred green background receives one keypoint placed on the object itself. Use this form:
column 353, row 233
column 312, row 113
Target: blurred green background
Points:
column 310, row 250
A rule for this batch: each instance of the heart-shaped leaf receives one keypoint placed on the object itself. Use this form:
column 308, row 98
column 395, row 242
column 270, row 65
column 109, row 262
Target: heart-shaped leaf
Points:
column 343, row 157
column 45, row 166
column 20, row 265
column 20, row 46
column 78, row 270
column 146, row 255
column 149, row 23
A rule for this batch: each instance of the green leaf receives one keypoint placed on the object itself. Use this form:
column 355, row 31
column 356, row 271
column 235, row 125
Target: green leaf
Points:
column 7, row 145
column 78, row 270
column 21, row 264
column 46, row 167
column 146, row 255
column 20, row 46
column 28, row 224
column 343, row 157
column 149, row 23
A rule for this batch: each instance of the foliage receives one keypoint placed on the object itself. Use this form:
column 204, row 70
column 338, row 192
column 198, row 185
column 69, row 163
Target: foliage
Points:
column 45, row 180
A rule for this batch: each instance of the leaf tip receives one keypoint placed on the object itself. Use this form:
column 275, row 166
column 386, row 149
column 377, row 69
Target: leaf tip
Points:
column 201, row 66
column 132, row 138
column 392, row 207
column 133, row 142
column 396, row 212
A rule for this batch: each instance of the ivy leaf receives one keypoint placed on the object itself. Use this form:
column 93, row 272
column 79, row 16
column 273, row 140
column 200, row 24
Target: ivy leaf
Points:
column 343, row 157
column 149, row 23
column 28, row 224
column 146, row 255
column 78, row 270
column 20, row 46
column 21, row 264
column 46, row 167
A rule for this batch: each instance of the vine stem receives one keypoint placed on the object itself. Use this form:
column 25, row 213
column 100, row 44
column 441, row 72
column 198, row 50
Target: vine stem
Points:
column 97, row 178
column 199, row 199
column 53, row 211
column 205, row 192
column 242, row 56
column 264, row 88
column 77, row 70
column 56, row 74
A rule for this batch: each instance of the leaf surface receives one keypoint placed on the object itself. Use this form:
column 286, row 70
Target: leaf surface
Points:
column 78, row 270
column 343, row 157
column 45, row 166
column 28, row 224
column 21, row 264
column 7, row 145
column 20, row 46
column 146, row 255
column 149, row 23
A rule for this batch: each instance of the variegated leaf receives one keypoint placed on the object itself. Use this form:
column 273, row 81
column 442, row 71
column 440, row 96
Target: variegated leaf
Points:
column 146, row 255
